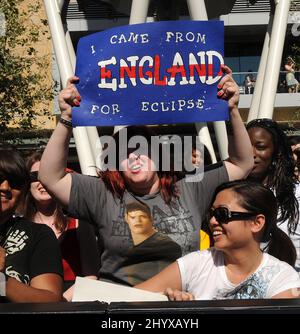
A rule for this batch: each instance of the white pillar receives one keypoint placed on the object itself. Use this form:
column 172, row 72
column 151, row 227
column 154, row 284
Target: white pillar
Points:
column 221, row 138
column 139, row 10
column 84, row 152
column 91, row 131
column 205, row 139
column 197, row 11
column 60, row 3
column 274, row 59
column 256, row 97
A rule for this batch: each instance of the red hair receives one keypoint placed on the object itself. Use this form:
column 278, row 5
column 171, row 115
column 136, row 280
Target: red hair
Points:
column 115, row 183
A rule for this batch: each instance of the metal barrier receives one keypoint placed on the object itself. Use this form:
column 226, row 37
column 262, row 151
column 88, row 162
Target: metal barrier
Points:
column 157, row 308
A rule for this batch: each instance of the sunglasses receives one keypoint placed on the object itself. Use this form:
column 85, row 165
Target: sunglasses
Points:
column 34, row 176
column 268, row 122
column 223, row 215
column 14, row 182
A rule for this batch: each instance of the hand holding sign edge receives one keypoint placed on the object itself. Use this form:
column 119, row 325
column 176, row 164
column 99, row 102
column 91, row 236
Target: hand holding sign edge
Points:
column 228, row 89
column 69, row 97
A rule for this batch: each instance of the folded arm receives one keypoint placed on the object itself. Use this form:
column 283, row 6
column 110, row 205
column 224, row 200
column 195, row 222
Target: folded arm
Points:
column 43, row 288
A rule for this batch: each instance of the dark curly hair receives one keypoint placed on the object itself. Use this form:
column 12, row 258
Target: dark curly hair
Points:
column 280, row 176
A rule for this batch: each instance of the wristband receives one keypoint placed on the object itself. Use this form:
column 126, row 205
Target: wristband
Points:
column 66, row 123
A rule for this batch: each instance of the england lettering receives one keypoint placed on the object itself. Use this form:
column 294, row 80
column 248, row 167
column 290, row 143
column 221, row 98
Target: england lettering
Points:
column 147, row 69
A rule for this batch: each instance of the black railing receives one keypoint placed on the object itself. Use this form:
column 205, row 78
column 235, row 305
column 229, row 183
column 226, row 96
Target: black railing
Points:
column 248, row 88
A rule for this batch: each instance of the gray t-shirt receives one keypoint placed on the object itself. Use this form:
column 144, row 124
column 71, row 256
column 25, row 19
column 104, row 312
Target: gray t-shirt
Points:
column 181, row 220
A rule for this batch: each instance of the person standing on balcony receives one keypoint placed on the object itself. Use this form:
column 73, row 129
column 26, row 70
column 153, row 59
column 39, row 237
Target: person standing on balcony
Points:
column 249, row 82
column 291, row 81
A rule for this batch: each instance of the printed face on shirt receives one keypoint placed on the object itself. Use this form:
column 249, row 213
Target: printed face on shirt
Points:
column 38, row 192
column 139, row 223
column 233, row 234
column 263, row 150
column 140, row 173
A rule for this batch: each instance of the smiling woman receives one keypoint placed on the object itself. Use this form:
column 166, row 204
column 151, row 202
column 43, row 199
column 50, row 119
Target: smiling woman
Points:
column 14, row 182
column 30, row 253
column 274, row 167
column 243, row 215
column 77, row 240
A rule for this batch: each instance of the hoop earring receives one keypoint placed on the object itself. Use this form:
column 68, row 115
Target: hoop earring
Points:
column 272, row 165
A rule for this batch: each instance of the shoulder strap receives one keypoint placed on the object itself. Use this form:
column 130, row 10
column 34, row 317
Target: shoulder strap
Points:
column 71, row 223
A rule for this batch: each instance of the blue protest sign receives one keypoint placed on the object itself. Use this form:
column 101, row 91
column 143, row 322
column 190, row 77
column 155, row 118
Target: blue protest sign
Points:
column 152, row 73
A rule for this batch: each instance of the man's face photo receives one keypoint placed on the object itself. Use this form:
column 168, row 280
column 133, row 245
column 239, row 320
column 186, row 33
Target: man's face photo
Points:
column 139, row 222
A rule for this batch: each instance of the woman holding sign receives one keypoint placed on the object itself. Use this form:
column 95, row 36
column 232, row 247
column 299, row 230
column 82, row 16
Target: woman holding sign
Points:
column 177, row 207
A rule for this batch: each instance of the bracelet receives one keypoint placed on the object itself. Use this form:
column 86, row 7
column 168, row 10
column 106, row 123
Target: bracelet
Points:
column 66, row 123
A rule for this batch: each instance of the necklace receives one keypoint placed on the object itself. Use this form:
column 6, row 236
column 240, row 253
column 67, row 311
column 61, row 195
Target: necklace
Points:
column 46, row 221
column 50, row 222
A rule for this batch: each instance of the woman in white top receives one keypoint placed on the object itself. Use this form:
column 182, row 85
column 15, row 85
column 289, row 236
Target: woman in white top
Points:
column 242, row 216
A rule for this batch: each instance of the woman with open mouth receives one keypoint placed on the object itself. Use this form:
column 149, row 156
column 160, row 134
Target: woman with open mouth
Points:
column 177, row 206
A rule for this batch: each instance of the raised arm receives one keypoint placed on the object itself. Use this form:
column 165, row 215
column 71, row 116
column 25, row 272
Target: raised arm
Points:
column 240, row 161
column 288, row 67
column 54, row 160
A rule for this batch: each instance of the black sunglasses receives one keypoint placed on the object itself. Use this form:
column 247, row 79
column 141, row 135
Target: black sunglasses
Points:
column 14, row 182
column 266, row 123
column 223, row 215
column 34, row 176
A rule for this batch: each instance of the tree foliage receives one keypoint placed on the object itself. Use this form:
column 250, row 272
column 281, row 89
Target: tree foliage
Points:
column 24, row 90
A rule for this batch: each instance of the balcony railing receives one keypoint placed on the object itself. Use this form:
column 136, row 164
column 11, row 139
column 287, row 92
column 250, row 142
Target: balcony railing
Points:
column 240, row 78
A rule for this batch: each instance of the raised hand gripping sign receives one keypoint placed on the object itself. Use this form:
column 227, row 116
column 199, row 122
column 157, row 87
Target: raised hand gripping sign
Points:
column 152, row 73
